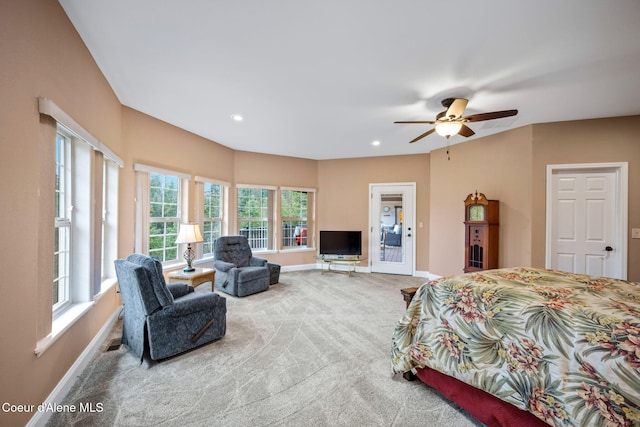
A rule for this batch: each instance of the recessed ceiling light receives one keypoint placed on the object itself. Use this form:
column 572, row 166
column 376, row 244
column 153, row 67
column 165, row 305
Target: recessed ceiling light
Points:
column 237, row 117
column 375, row 143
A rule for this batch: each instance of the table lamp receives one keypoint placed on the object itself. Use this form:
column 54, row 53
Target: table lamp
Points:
column 189, row 233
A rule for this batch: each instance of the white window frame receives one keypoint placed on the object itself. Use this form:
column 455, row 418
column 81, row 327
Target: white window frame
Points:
column 84, row 160
column 143, row 204
column 109, row 229
column 267, row 217
column 201, row 217
column 309, row 219
column 62, row 224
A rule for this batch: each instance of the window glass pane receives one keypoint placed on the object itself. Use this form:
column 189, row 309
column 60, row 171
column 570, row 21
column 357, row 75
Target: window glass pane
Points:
column 212, row 223
column 170, row 210
column 253, row 216
column 62, row 223
column 163, row 213
column 293, row 213
column 155, row 210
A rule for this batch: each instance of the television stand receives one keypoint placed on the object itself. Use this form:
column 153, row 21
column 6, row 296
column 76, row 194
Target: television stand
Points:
column 349, row 260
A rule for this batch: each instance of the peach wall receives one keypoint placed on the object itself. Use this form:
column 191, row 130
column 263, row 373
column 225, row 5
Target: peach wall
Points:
column 587, row 141
column 156, row 143
column 498, row 166
column 343, row 196
column 280, row 171
column 41, row 55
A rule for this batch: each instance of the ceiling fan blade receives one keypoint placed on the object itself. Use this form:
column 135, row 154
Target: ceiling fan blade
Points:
column 427, row 123
column 427, row 133
column 466, row 131
column 457, row 107
column 490, row 116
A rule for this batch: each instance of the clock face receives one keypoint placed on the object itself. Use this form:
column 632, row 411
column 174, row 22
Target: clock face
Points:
column 476, row 213
column 386, row 208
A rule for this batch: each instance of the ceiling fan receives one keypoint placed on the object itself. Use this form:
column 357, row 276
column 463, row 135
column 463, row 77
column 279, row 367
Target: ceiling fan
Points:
column 451, row 122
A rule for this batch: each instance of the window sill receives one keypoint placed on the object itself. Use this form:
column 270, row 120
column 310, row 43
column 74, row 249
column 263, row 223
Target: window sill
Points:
column 295, row 249
column 263, row 251
column 105, row 286
column 61, row 324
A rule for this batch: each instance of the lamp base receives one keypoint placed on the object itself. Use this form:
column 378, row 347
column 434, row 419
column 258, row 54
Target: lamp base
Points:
column 188, row 256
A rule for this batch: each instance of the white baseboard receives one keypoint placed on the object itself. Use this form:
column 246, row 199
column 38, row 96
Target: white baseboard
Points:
column 427, row 275
column 299, row 267
column 359, row 269
column 60, row 391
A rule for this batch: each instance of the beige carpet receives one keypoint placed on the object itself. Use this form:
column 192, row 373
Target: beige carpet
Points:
column 314, row 350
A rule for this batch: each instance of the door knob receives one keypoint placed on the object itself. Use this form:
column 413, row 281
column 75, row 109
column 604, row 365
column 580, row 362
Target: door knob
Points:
column 608, row 248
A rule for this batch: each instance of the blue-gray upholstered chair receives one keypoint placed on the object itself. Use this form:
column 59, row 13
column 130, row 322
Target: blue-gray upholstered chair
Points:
column 238, row 272
column 166, row 319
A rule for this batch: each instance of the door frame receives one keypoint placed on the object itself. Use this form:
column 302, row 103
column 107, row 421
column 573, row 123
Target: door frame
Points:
column 375, row 216
column 621, row 170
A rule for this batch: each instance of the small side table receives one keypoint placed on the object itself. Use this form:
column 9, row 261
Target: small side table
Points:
column 407, row 294
column 193, row 278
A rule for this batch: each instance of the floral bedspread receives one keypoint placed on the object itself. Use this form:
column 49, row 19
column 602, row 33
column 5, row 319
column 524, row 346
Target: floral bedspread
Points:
column 565, row 347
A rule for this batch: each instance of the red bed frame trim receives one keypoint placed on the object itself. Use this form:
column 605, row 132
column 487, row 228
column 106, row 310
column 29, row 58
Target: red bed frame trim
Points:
column 485, row 407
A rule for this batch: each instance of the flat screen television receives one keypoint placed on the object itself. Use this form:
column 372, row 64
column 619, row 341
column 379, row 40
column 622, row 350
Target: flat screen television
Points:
column 341, row 243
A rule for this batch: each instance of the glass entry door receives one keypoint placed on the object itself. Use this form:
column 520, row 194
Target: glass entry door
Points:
column 392, row 226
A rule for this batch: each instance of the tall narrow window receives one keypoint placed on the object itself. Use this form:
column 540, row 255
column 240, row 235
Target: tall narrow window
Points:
column 212, row 215
column 161, row 202
column 164, row 196
column 296, row 208
column 255, row 216
column 62, row 237
column 109, row 219
column 86, row 180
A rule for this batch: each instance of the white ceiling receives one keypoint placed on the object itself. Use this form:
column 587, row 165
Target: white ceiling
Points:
column 323, row 79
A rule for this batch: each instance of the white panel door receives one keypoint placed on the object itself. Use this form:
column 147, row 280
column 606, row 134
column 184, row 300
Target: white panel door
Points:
column 584, row 228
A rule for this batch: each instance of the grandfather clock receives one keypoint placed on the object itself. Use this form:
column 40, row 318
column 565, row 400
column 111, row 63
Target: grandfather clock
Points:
column 481, row 233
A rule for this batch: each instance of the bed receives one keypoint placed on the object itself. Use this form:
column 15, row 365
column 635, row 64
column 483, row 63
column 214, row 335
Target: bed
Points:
column 525, row 346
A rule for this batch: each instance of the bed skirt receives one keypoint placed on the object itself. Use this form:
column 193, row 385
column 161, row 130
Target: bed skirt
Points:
column 483, row 406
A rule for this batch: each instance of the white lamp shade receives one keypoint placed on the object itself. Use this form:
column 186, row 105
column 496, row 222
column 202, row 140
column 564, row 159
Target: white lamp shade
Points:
column 189, row 233
column 448, row 128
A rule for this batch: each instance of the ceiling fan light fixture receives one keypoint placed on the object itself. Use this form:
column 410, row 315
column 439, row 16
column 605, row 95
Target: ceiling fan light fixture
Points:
column 448, row 128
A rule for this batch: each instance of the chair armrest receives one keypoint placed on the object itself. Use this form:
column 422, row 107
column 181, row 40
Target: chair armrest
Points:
column 179, row 289
column 223, row 265
column 195, row 302
column 255, row 261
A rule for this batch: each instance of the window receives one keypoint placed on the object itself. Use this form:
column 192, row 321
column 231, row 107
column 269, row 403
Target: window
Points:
column 296, row 208
column 62, row 221
column 212, row 215
column 160, row 202
column 164, row 192
column 255, row 216
column 109, row 229
column 84, row 234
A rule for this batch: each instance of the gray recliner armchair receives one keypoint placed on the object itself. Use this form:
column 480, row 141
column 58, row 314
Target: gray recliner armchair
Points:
column 166, row 319
column 238, row 272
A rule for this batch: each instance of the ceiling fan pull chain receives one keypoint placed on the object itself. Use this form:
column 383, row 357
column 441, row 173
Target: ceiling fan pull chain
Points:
column 448, row 156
